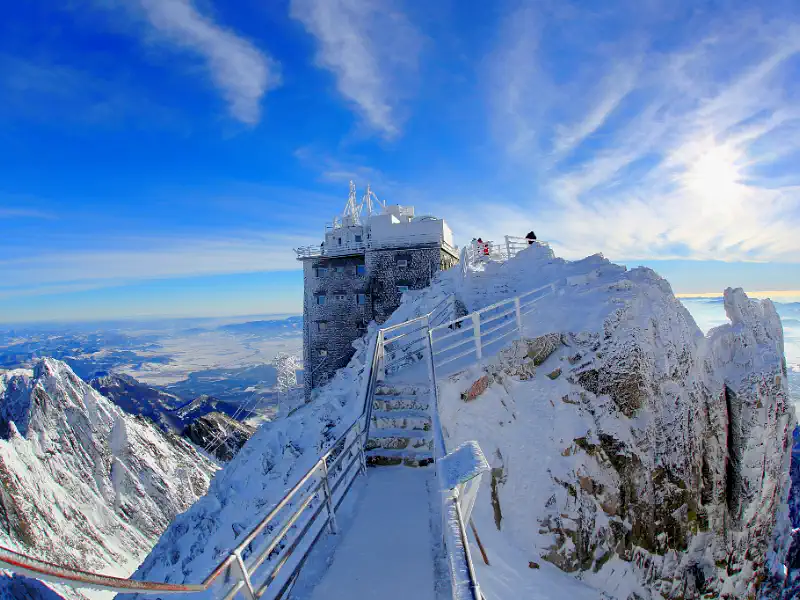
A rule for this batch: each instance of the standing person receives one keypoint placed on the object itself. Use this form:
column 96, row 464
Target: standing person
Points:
column 531, row 237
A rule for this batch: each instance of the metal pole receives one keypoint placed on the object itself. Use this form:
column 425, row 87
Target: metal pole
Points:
column 361, row 454
column 476, row 334
column 326, row 488
column 508, row 248
column 244, row 576
column 518, row 311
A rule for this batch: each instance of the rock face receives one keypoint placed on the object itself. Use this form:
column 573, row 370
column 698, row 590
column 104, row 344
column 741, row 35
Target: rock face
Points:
column 137, row 398
column 83, row 483
column 656, row 448
column 220, row 434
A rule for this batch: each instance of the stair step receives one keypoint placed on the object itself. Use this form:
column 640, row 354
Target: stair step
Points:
column 384, row 457
column 399, row 403
column 401, row 419
column 400, row 439
column 401, row 390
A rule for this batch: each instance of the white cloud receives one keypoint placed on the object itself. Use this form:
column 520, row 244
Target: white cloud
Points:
column 241, row 71
column 129, row 260
column 690, row 168
column 370, row 47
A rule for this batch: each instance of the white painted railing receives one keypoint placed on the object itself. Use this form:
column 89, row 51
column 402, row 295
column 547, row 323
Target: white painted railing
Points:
column 470, row 338
column 409, row 241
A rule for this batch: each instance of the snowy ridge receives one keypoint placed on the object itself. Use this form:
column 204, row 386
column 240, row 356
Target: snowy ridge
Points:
column 86, row 485
column 623, row 443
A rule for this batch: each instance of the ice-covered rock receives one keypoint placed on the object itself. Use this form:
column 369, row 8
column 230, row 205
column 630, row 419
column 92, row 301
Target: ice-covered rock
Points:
column 220, row 434
column 659, row 446
column 85, row 484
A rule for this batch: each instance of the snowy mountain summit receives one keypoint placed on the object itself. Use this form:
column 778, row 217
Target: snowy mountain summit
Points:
column 85, row 484
column 628, row 450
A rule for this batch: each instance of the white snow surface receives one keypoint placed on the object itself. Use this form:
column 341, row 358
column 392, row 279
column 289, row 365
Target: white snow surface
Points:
column 386, row 552
column 84, row 484
column 644, row 405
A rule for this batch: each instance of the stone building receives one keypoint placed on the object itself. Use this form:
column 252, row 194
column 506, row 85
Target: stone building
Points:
column 370, row 255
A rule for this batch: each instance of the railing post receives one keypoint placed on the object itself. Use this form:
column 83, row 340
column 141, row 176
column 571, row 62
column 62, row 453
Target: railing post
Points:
column 518, row 311
column 508, row 248
column 476, row 334
column 326, row 488
column 244, row 576
column 360, row 446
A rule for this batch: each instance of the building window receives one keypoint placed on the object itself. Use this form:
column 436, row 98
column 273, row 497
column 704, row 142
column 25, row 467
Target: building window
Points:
column 361, row 269
column 402, row 262
column 402, row 288
column 340, row 297
column 340, row 241
column 323, row 352
column 322, row 271
column 321, row 299
column 339, row 269
column 322, row 325
column 358, row 239
column 361, row 299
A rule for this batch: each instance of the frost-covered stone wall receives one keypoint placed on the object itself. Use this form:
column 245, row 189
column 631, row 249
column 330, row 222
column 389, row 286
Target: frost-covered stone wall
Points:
column 345, row 319
column 386, row 274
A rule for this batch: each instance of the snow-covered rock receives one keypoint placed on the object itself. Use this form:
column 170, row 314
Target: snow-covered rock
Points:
column 220, row 434
column 85, row 484
column 649, row 444
column 137, row 398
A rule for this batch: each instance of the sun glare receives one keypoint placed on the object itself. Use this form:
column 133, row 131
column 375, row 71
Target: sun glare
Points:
column 714, row 176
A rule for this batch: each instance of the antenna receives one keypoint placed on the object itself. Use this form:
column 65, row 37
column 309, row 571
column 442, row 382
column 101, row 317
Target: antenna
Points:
column 372, row 208
column 352, row 211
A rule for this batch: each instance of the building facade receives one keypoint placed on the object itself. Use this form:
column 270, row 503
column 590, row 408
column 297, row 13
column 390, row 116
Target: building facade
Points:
column 359, row 274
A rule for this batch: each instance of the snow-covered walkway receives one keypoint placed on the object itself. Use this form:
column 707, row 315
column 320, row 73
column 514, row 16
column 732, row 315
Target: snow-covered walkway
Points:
column 386, row 551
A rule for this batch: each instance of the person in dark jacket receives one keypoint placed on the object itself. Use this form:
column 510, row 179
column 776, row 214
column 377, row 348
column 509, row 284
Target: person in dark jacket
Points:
column 531, row 237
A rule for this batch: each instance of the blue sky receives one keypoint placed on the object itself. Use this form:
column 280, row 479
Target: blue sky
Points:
column 165, row 156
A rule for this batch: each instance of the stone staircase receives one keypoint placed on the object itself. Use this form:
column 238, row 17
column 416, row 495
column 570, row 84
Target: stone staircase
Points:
column 400, row 426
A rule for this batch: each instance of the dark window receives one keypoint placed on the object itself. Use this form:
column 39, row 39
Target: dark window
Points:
column 321, row 299
column 361, row 270
column 361, row 299
column 358, row 239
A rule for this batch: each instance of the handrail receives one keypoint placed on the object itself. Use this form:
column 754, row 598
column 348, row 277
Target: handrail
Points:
column 33, row 567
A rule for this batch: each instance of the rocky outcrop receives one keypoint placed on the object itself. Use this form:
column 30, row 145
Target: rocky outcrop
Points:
column 83, row 483
column 137, row 398
column 629, row 436
column 220, row 434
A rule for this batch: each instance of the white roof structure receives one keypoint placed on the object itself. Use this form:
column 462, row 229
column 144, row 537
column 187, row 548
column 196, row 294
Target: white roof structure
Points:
column 372, row 224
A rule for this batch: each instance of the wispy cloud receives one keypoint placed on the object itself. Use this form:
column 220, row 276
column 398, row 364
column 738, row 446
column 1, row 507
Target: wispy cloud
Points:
column 24, row 213
column 370, row 47
column 137, row 259
column 241, row 71
column 683, row 152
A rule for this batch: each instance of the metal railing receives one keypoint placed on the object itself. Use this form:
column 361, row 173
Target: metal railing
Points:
column 478, row 334
column 322, row 487
column 411, row 241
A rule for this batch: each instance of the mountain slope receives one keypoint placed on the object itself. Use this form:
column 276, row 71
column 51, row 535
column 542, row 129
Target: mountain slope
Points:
column 137, row 398
column 83, row 483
